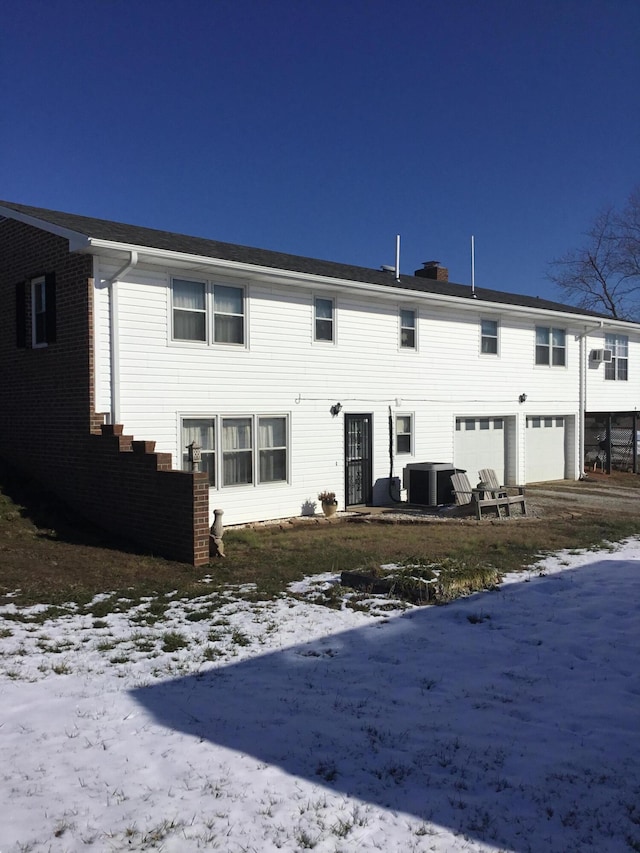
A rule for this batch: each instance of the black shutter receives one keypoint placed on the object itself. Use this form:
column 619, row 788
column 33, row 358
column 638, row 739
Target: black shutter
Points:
column 50, row 304
column 21, row 314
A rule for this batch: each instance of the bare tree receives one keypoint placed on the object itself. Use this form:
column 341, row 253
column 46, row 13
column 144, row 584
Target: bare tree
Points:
column 604, row 274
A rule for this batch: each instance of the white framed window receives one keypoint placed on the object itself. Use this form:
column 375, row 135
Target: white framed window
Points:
column 203, row 432
column 228, row 314
column 618, row 367
column 324, row 310
column 189, row 310
column 208, row 312
column 404, row 434
column 489, row 337
column 239, row 450
column 272, row 449
column 38, row 313
column 551, row 348
column 407, row 328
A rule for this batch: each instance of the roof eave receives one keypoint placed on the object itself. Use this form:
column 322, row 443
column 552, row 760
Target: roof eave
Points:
column 77, row 242
column 167, row 257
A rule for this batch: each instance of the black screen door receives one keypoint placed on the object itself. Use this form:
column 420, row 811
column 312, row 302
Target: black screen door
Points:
column 358, row 466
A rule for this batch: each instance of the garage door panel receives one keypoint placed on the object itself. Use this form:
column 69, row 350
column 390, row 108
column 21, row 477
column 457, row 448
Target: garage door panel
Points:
column 481, row 443
column 545, row 449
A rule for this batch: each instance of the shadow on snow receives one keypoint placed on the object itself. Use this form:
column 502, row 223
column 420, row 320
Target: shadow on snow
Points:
column 510, row 717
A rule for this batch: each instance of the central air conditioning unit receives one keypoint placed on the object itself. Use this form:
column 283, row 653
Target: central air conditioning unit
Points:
column 598, row 355
column 429, row 483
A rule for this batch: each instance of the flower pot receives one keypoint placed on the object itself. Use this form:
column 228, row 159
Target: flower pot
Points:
column 329, row 508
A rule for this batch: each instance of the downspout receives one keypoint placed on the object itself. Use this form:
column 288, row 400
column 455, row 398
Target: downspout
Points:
column 114, row 334
column 582, row 396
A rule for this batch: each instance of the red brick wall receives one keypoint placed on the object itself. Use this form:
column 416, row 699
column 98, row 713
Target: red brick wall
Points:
column 48, row 426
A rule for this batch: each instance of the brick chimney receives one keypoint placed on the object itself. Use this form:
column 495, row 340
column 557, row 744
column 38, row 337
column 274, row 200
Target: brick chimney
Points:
column 434, row 270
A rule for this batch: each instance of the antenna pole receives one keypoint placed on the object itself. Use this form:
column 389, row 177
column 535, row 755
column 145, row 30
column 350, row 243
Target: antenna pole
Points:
column 397, row 257
column 473, row 266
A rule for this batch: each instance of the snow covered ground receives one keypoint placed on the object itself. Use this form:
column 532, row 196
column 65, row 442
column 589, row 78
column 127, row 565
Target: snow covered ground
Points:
column 509, row 720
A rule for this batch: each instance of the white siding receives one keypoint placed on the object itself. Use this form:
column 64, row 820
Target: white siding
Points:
column 281, row 370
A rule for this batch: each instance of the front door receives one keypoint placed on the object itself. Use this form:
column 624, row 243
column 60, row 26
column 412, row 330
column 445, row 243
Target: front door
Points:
column 358, row 465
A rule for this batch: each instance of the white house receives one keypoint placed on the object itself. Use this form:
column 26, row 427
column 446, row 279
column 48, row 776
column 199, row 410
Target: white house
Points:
column 297, row 375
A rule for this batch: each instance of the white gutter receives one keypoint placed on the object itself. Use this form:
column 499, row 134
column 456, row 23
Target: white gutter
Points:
column 582, row 396
column 114, row 333
column 170, row 257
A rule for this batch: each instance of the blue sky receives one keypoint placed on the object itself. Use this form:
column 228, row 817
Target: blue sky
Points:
column 325, row 127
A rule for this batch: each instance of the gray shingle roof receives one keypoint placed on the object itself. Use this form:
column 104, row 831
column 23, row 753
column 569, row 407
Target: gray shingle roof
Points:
column 139, row 236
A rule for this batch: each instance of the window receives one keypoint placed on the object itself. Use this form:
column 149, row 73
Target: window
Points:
column 237, row 451
column 272, row 449
column 323, row 319
column 618, row 367
column 404, row 433
column 550, row 346
column 193, row 303
column 203, row 432
column 489, row 337
column 407, row 329
column 36, row 312
column 228, row 313
column 189, row 310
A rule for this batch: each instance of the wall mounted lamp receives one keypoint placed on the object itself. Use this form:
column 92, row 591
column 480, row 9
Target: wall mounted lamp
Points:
column 522, row 398
column 336, row 409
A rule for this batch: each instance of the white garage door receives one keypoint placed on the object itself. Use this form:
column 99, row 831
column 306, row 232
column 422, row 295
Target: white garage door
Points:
column 545, row 449
column 480, row 443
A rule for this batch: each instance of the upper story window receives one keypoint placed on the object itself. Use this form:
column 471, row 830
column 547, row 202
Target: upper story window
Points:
column 194, row 302
column 189, row 310
column 36, row 312
column 551, row 346
column 404, row 433
column 489, row 337
column 618, row 367
column 324, row 319
column 228, row 313
column 407, row 328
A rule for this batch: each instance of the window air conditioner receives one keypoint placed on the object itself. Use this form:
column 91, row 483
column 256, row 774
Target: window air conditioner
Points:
column 598, row 355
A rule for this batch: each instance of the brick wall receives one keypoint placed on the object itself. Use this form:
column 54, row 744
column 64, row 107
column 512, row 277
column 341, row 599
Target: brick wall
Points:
column 48, row 426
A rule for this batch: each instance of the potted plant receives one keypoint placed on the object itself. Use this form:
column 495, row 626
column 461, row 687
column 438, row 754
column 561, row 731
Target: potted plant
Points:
column 329, row 503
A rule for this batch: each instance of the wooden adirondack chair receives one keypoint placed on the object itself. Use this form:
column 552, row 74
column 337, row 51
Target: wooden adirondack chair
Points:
column 484, row 497
column 513, row 494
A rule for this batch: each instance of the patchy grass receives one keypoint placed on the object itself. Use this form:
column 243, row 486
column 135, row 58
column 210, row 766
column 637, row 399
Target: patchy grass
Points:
column 46, row 556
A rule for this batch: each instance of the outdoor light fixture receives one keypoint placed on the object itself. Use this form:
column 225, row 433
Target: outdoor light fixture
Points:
column 522, row 398
column 336, row 409
column 194, row 451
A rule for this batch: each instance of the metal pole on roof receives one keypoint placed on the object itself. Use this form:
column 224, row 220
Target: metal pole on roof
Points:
column 473, row 267
column 397, row 257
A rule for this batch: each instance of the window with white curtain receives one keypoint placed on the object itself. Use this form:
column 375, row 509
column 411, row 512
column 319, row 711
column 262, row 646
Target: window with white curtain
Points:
column 203, row 432
column 239, row 450
column 272, row 449
column 206, row 311
column 189, row 310
column 228, row 313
